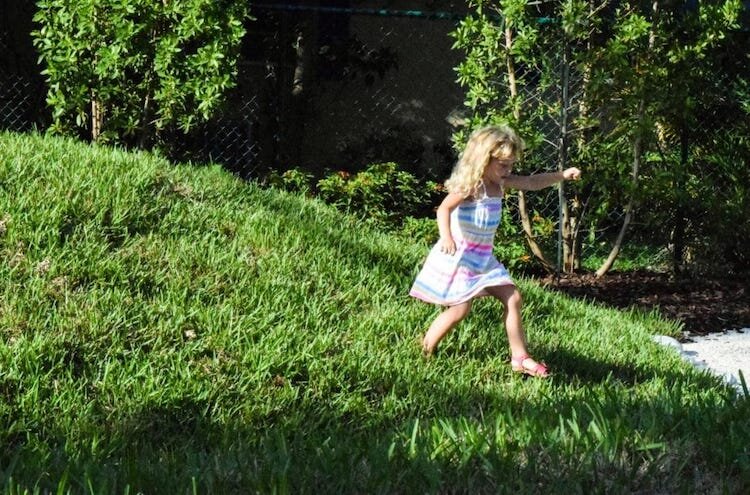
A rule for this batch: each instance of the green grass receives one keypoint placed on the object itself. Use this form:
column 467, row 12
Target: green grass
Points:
column 632, row 257
column 171, row 329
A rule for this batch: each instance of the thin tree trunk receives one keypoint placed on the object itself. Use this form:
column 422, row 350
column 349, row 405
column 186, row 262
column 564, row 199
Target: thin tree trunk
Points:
column 567, row 222
column 148, row 131
column 97, row 114
column 678, row 236
column 298, row 82
column 97, row 118
column 637, row 151
column 522, row 208
column 583, row 137
column 143, row 139
column 637, row 157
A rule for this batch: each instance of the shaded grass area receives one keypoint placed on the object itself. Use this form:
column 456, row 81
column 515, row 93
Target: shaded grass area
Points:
column 172, row 329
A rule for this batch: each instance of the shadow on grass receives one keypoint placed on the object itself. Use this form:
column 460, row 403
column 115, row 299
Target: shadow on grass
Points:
column 452, row 439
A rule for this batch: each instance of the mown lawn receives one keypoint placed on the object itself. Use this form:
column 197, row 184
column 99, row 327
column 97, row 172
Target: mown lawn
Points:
column 172, row 329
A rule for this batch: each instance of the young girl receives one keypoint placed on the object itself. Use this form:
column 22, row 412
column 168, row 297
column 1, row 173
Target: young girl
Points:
column 461, row 266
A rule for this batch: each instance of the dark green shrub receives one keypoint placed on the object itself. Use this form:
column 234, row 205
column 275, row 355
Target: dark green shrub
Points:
column 294, row 180
column 382, row 193
column 126, row 71
column 510, row 246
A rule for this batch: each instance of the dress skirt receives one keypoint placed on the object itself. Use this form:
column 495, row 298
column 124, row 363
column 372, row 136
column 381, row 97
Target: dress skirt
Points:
column 447, row 279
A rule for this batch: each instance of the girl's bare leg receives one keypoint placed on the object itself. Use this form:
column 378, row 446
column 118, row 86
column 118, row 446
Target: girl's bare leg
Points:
column 512, row 302
column 443, row 324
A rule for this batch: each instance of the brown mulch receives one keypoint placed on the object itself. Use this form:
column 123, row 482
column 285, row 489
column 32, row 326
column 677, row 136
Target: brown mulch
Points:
column 703, row 306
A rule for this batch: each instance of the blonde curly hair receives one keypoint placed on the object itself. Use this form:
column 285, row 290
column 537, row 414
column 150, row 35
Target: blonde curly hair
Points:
column 499, row 141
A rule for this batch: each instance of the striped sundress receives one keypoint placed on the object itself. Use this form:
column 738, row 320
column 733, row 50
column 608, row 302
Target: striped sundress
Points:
column 452, row 279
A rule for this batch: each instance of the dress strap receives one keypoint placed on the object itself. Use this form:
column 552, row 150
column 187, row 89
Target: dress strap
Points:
column 484, row 190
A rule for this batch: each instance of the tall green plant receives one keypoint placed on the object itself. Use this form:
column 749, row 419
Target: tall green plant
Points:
column 382, row 193
column 661, row 65
column 642, row 71
column 125, row 71
column 506, row 45
column 699, row 74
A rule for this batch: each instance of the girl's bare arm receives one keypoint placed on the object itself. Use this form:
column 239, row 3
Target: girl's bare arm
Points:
column 451, row 201
column 540, row 181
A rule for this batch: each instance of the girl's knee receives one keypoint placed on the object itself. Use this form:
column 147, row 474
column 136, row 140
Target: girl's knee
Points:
column 514, row 300
column 459, row 312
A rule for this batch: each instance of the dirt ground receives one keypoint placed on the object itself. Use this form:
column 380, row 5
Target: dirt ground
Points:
column 704, row 306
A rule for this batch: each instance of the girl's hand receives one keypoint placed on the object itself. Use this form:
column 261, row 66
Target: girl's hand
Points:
column 571, row 173
column 447, row 246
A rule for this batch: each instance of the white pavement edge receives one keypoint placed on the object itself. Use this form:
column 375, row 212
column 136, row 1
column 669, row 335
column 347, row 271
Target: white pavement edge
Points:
column 725, row 354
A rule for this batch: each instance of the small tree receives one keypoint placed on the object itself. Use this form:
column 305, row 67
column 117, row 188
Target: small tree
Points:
column 507, row 46
column 642, row 68
column 125, row 71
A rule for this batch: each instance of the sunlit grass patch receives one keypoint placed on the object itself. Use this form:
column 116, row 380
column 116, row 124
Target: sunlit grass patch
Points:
column 173, row 329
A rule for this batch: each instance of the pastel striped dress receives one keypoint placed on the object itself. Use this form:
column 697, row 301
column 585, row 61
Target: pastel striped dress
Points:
column 452, row 279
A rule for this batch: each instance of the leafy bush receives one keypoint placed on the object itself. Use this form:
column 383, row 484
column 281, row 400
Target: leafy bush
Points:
column 510, row 246
column 143, row 65
column 293, row 180
column 649, row 80
column 395, row 198
column 381, row 193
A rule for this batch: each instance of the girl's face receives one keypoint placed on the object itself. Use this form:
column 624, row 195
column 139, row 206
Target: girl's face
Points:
column 498, row 169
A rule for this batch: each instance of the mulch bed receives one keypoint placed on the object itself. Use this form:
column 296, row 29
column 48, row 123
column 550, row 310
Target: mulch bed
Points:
column 704, row 306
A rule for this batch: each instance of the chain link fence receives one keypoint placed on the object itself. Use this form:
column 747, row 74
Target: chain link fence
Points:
column 22, row 90
column 328, row 89
column 19, row 103
column 337, row 89
column 231, row 139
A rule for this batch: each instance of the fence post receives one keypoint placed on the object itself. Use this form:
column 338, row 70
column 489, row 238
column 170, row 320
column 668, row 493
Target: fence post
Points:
column 563, row 151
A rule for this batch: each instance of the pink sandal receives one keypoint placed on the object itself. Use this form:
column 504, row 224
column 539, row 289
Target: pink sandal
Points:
column 516, row 364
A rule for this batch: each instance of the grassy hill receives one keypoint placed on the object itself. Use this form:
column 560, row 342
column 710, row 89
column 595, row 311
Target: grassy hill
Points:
column 172, row 329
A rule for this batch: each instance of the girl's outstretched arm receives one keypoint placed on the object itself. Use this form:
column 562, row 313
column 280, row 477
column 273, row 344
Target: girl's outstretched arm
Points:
column 540, row 181
column 451, row 201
